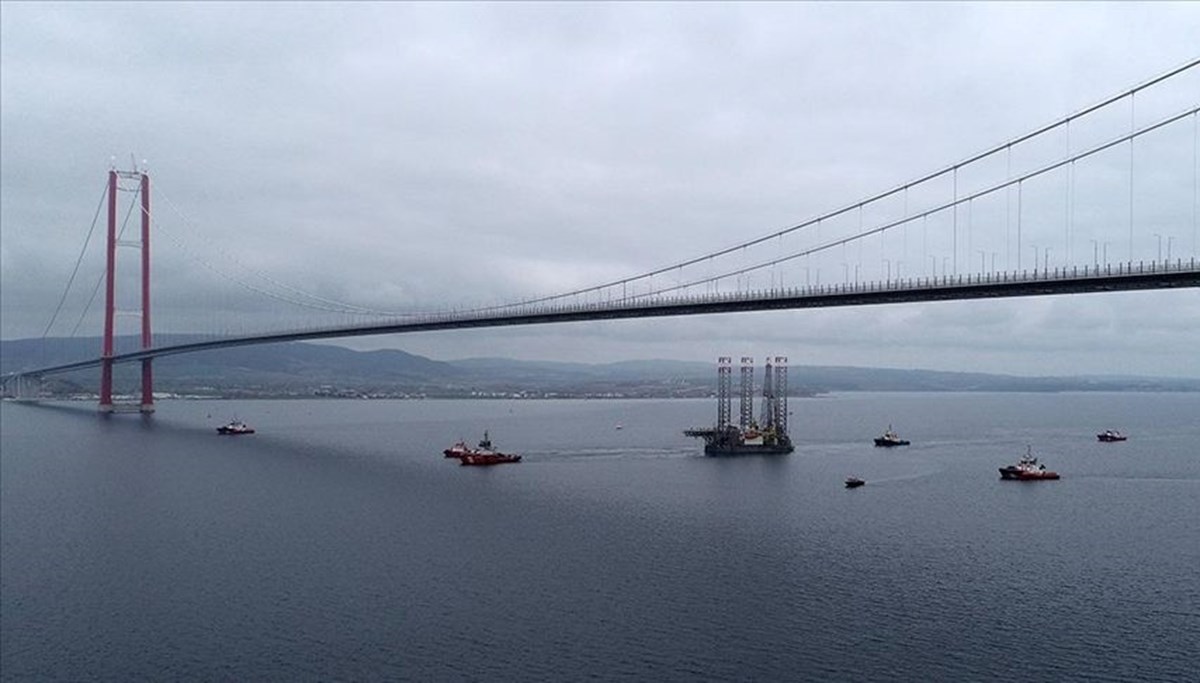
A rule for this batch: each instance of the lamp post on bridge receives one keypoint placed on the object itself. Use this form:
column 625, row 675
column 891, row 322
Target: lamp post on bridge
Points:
column 1170, row 238
column 1045, row 259
column 889, row 269
column 982, row 253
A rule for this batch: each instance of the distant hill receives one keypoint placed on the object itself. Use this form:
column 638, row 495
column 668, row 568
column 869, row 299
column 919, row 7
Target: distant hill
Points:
column 302, row 369
column 278, row 369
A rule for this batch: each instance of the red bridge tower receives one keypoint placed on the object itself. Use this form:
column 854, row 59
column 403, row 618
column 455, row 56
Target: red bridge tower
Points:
column 106, row 371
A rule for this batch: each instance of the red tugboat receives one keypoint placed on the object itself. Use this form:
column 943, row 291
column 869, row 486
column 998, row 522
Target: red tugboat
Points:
column 1027, row 469
column 1111, row 435
column 483, row 454
column 234, row 428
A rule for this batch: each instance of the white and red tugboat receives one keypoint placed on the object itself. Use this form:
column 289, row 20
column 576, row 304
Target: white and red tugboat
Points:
column 890, row 438
column 1027, row 469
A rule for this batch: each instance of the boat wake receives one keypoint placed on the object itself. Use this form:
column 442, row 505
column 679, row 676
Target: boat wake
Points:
column 614, row 454
column 1139, row 479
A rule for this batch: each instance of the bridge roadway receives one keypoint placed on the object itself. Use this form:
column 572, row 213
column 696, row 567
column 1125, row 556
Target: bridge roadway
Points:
column 1124, row 277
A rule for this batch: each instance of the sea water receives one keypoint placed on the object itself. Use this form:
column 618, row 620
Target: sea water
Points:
column 338, row 544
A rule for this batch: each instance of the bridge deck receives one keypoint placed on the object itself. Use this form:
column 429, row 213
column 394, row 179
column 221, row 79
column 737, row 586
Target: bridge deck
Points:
column 1125, row 277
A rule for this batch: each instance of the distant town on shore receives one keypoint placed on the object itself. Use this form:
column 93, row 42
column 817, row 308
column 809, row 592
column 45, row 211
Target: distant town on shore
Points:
column 303, row 370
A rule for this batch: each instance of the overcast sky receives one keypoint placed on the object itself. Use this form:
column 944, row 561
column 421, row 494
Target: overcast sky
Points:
column 402, row 156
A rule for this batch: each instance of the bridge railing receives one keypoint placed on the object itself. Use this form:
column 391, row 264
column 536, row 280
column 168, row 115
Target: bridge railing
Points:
column 1007, row 277
column 1024, row 276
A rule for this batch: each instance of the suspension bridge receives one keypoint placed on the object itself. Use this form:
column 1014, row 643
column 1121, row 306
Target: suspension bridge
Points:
column 1083, row 204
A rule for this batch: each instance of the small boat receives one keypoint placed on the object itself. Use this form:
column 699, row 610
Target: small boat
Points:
column 1027, row 469
column 890, row 438
column 235, row 427
column 854, row 482
column 1110, row 435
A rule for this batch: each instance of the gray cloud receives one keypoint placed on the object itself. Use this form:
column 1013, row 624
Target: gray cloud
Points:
column 399, row 156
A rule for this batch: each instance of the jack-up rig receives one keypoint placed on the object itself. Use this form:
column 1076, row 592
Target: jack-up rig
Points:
column 768, row 435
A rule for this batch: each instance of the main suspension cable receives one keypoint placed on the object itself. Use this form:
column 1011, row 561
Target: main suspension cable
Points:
column 74, row 271
column 929, row 212
column 100, row 280
column 880, row 196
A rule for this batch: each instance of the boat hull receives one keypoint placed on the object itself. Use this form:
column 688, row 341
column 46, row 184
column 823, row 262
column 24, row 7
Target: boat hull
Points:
column 1011, row 473
column 719, row 450
column 486, row 459
column 888, row 443
column 235, row 428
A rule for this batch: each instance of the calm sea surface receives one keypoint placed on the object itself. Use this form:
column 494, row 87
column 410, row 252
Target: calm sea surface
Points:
column 338, row 544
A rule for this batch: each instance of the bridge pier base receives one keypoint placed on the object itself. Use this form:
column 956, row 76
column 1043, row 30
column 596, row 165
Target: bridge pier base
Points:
column 106, row 373
column 147, row 387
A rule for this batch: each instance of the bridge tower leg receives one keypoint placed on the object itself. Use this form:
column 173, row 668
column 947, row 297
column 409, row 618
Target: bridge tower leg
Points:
column 106, row 353
column 147, row 374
